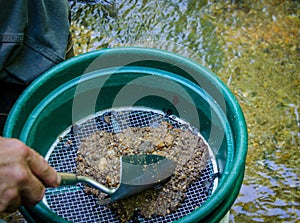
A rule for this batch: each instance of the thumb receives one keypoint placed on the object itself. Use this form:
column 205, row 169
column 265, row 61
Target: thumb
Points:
column 42, row 170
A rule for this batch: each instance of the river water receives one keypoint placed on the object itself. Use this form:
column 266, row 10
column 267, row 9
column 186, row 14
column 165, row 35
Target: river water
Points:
column 254, row 47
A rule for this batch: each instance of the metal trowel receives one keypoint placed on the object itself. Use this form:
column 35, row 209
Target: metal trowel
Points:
column 139, row 172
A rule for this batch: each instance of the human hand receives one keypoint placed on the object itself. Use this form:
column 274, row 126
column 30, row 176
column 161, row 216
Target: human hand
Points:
column 24, row 174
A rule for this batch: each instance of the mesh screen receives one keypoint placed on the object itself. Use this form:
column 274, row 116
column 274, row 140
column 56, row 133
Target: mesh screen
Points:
column 73, row 204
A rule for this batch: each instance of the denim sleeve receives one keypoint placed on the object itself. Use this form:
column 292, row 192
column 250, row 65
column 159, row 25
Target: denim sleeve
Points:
column 33, row 37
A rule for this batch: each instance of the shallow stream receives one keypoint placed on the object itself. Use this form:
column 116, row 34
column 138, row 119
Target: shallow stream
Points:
column 254, row 47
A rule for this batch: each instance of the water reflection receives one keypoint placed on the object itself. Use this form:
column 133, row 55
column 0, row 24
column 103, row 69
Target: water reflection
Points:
column 176, row 26
column 254, row 47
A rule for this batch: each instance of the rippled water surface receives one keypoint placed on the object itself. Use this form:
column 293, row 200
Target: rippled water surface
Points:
column 254, row 47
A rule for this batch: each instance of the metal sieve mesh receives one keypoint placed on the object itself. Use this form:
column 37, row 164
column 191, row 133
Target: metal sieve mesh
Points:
column 73, row 204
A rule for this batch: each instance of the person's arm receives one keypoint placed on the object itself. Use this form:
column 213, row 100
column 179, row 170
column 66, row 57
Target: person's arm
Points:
column 23, row 175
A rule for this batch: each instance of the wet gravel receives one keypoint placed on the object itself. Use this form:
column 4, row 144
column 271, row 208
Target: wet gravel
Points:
column 99, row 158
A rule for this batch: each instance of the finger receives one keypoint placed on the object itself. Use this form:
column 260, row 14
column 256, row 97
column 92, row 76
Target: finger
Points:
column 42, row 170
column 10, row 200
column 22, row 175
column 26, row 185
column 32, row 192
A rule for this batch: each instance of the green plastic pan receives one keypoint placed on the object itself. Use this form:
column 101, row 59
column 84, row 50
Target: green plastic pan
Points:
column 177, row 89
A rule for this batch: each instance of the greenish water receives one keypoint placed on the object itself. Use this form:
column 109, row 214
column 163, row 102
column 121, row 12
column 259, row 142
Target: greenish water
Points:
column 254, row 47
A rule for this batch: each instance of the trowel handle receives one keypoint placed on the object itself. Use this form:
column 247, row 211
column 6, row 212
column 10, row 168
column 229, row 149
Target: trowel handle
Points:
column 68, row 179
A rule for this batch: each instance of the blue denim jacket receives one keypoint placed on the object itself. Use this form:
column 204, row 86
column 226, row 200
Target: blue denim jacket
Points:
column 33, row 37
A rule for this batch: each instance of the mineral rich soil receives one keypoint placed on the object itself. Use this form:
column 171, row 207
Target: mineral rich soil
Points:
column 99, row 157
